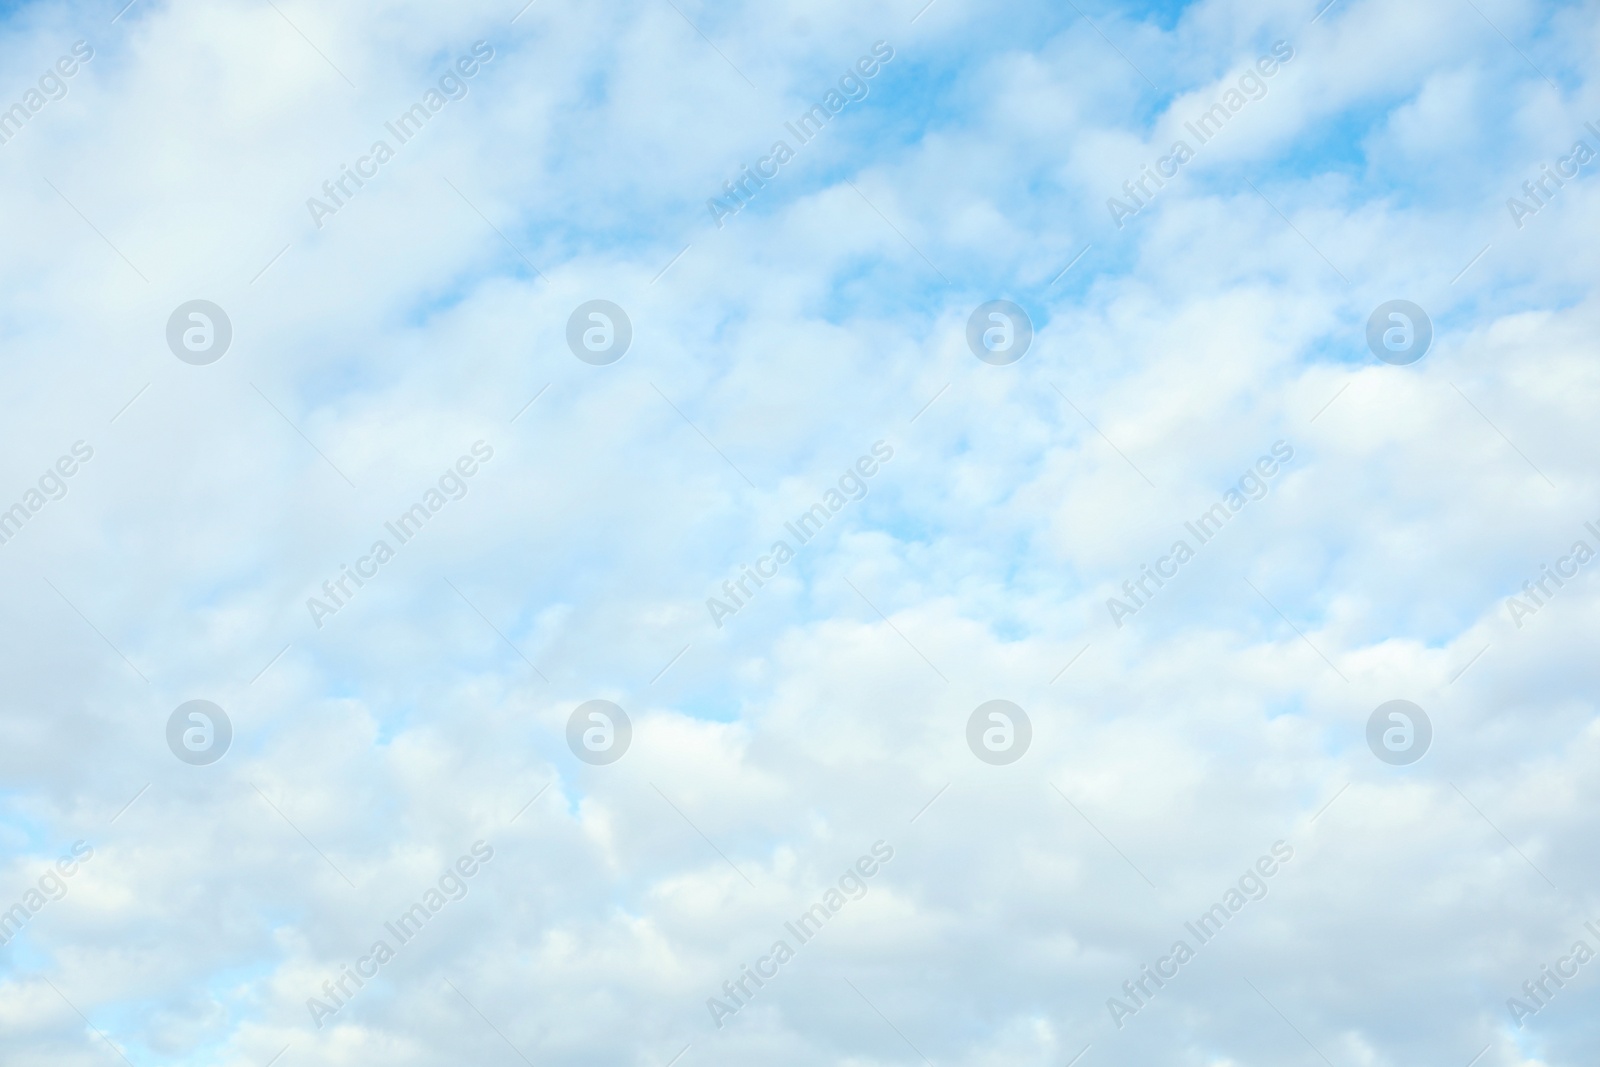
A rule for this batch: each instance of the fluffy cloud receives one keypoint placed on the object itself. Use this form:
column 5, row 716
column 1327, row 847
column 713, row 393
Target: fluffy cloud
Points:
column 430, row 712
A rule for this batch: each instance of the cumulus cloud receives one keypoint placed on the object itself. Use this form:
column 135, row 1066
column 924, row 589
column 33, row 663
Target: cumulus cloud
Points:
column 397, row 317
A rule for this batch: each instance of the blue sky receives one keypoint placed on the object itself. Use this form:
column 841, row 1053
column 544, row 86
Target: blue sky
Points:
column 995, row 556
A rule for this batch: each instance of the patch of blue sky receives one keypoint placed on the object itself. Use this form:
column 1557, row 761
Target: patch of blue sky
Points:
column 21, row 833
column 1436, row 621
column 1163, row 13
column 235, row 988
column 1292, row 705
column 428, row 307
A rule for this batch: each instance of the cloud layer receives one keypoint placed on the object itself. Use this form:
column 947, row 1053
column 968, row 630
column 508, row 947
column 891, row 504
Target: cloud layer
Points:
column 397, row 317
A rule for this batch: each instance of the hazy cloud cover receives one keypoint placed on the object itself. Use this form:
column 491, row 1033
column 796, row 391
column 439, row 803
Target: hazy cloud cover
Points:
column 580, row 348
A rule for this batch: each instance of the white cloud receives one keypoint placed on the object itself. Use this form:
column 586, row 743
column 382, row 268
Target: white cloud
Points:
column 767, row 755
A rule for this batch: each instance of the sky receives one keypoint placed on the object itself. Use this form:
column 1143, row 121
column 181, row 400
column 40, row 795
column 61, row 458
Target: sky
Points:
column 673, row 534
